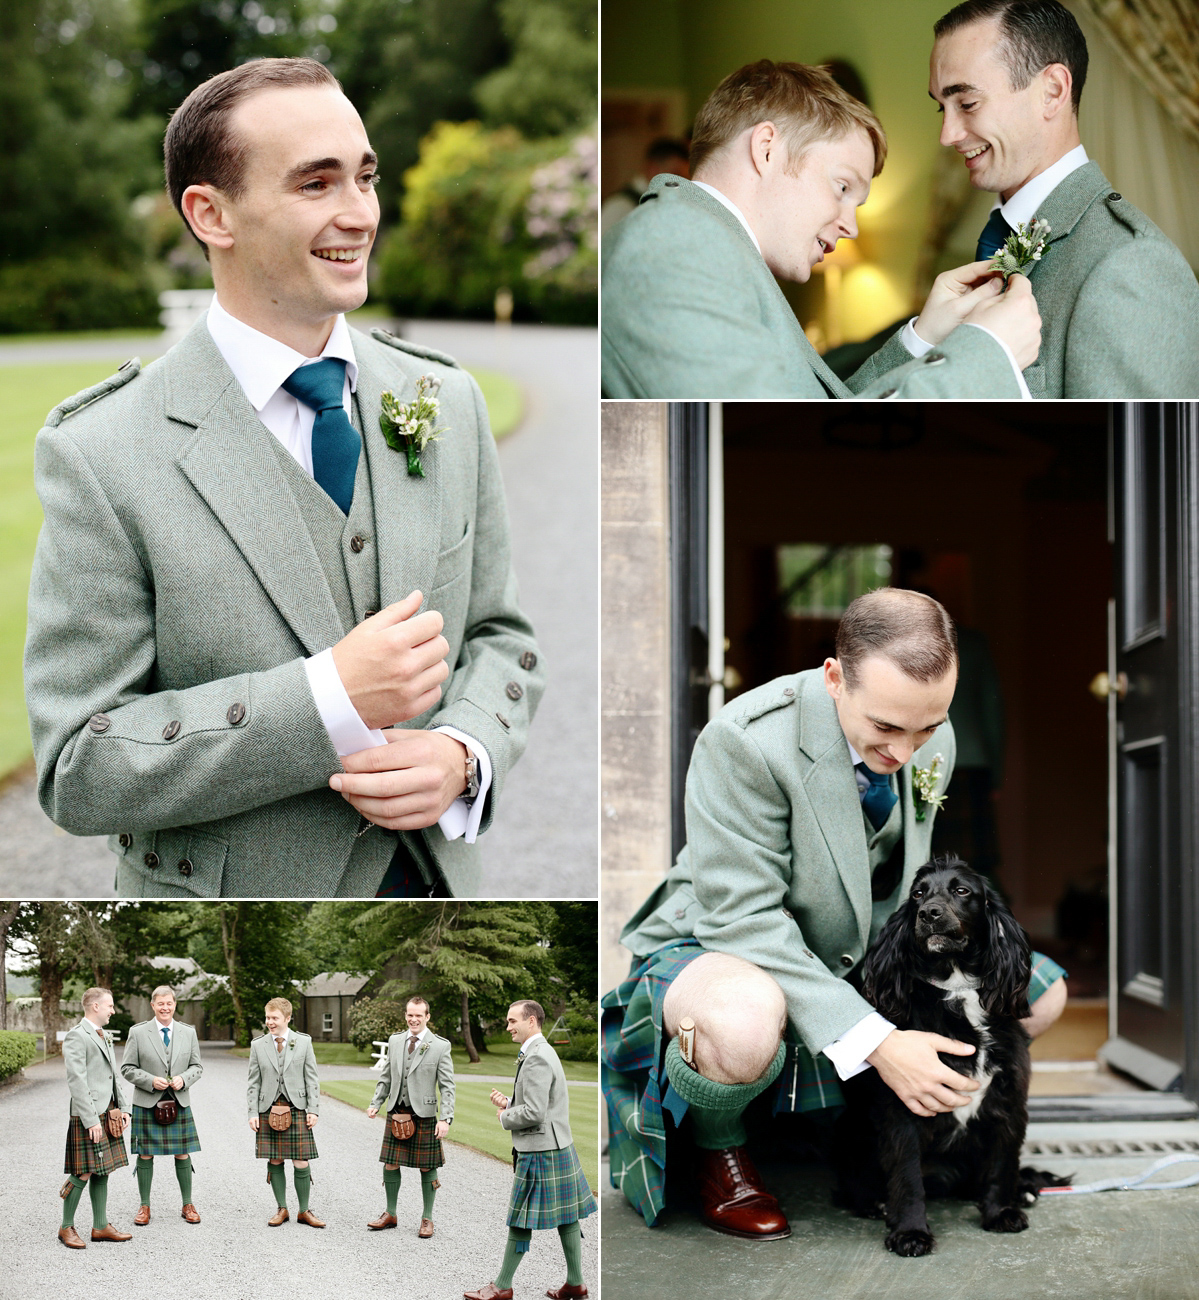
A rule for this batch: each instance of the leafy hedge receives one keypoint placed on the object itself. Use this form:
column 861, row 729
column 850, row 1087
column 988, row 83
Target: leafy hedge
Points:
column 374, row 1019
column 74, row 293
column 582, row 1047
column 17, row 1049
column 485, row 211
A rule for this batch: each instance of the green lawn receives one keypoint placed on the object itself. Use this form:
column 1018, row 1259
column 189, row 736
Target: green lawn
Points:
column 476, row 1126
column 27, row 393
column 499, row 1060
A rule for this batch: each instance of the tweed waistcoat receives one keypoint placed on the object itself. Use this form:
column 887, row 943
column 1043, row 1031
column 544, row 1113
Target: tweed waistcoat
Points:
column 881, row 846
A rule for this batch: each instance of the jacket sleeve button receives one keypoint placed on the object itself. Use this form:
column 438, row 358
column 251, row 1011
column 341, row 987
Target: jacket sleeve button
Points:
column 528, row 661
column 185, row 867
column 151, row 860
column 514, row 690
column 170, row 731
column 99, row 722
column 235, row 714
column 125, row 840
column 887, row 392
column 935, row 359
column 846, row 959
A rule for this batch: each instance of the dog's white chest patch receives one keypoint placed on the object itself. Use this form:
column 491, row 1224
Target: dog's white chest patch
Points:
column 962, row 990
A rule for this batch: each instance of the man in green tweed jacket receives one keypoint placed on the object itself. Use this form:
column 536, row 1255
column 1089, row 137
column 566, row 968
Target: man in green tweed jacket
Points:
column 781, row 159
column 282, row 1082
column 162, row 1061
column 418, row 1066
column 810, row 807
column 263, row 641
column 549, row 1189
column 1119, row 304
column 93, row 1152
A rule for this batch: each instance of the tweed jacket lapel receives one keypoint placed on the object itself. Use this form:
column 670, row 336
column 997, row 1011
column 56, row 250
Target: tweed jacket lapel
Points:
column 1065, row 208
column 155, row 1031
column 233, row 467
column 832, row 793
column 407, row 507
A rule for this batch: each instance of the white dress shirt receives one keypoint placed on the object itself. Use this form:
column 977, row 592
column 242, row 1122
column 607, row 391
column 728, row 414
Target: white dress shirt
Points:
column 159, row 1027
column 260, row 364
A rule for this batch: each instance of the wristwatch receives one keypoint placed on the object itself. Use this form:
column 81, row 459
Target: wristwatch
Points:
column 471, row 793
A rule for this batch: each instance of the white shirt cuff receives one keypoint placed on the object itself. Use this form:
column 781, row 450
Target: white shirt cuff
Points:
column 349, row 734
column 850, row 1051
column 917, row 347
column 912, row 341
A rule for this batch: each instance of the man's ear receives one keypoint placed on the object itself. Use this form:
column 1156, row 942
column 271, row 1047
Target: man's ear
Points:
column 205, row 209
column 1057, row 85
column 834, row 678
column 765, row 147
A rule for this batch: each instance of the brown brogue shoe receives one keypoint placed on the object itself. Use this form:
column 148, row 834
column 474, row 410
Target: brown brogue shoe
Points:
column 488, row 1292
column 384, row 1220
column 568, row 1291
column 142, row 1217
column 733, row 1200
column 280, row 1216
column 109, row 1233
column 307, row 1216
column 426, row 1228
column 190, row 1213
column 69, row 1237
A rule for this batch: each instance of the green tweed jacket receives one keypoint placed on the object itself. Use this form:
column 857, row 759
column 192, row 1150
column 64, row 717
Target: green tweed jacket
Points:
column 690, row 310
column 146, row 1058
column 292, row 1071
column 538, row 1116
column 1119, row 304
column 177, row 590
column 430, row 1067
column 91, row 1073
column 776, row 866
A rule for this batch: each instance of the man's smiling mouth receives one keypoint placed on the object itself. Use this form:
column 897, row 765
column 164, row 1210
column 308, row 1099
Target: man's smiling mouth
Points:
column 338, row 254
column 973, row 153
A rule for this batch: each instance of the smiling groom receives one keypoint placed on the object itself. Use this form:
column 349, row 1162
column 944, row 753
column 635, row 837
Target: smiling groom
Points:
column 263, row 656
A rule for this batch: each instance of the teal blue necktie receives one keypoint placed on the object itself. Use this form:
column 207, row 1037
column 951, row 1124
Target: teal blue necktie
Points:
column 166, row 1036
column 335, row 441
column 994, row 234
column 878, row 798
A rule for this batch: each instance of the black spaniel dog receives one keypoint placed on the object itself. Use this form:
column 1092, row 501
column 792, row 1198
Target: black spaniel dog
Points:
column 952, row 961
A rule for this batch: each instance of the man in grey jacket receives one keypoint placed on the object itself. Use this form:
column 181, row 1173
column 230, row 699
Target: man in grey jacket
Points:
column 268, row 632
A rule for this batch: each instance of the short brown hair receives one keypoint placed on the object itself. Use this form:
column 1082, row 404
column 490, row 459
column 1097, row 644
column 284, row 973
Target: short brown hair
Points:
column 416, row 998
column 908, row 628
column 805, row 103
column 530, row 1008
column 279, row 1004
column 200, row 149
column 92, row 996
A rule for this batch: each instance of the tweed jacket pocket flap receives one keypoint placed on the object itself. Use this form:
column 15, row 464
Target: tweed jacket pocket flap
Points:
column 177, row 862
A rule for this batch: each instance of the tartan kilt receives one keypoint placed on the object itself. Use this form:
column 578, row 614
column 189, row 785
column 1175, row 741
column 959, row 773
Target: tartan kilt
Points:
column 296, row 1144
column 149, row 1138
column 423, row 1149
column 548, row 1189
column 87, row 1157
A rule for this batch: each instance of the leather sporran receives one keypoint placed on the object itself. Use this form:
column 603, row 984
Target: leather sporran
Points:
column 115, row 1122
column 403, row 1126
column 279, row 1117
column 166, row 1110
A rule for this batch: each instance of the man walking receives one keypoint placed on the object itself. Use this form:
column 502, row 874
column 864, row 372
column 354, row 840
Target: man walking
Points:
column 418, row 1066
column 95, row 1137
column 549, row 1189
column 162, row 1061
column 283, row 1095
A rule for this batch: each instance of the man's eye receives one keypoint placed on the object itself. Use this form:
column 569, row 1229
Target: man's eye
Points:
column 372, row 179
column 313, row 185
column 966, row 108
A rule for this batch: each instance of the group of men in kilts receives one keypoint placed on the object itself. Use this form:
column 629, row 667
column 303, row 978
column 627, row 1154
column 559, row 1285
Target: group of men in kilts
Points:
column 162, row 1061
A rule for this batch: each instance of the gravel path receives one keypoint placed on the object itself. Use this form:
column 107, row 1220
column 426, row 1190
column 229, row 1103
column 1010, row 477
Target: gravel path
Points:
column 229, row 1255
column 544, row 843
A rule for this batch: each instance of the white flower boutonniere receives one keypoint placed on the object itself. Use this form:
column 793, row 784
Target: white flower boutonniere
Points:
column 924, row 786
column 1022, row 248
column 408, row 426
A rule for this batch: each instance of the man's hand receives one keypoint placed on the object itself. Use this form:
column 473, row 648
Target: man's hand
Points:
column 160, row 1083
column 393, row 663
column 1014, row 317
column 499, row 1101
column 254, row 1123
column 177, row 1082
column 312, row 1119
column 406, row 784
column 907, row 1063
column 442, row 1129
column 96, row 1132
column 954, row 296
column 371, row 1112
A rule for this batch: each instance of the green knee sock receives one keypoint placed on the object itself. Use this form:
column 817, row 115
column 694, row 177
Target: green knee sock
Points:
column 391, row 1183
column 183, row 1172
column 428, row 1192
column 71, row 1200
column 518, row 1244
column 145, row 1176
column 571, row 1238
column 716, row 1108
column 98, row 1186
column 303, row 1181
column 279, row 1184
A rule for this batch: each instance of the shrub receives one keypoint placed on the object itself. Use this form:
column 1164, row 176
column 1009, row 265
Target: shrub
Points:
column 485, row 211
column 582, row 1047
column 17, row 1049
column 374, row 1019
column 74, row 293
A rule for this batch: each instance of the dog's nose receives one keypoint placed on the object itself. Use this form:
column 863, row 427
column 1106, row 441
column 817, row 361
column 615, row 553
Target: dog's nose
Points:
column 932, row 912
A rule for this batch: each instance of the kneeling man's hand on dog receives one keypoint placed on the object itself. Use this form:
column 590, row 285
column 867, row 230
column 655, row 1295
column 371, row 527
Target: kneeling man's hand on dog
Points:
column 907, row 1063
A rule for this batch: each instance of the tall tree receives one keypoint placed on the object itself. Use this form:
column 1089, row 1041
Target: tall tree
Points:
column 8, row 911
column 45, row 930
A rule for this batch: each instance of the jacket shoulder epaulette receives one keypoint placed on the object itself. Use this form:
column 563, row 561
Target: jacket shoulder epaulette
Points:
column 64, row 410
column 767, row 701
column 416, row 349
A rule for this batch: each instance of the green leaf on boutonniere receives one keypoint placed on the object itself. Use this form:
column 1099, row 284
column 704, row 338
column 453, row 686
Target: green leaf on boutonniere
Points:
column 1021, row 249
column 924, row 787
column 408, row 426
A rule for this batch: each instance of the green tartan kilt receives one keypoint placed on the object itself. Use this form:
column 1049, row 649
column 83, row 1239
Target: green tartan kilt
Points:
column 149, row 1138
column 87, row 1157
column 423, row 1149
column 297, row 1143
column 548, row 1189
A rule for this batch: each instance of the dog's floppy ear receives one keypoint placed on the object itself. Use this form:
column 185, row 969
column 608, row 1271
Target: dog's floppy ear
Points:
column 1007, row 964
column 886, row 975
